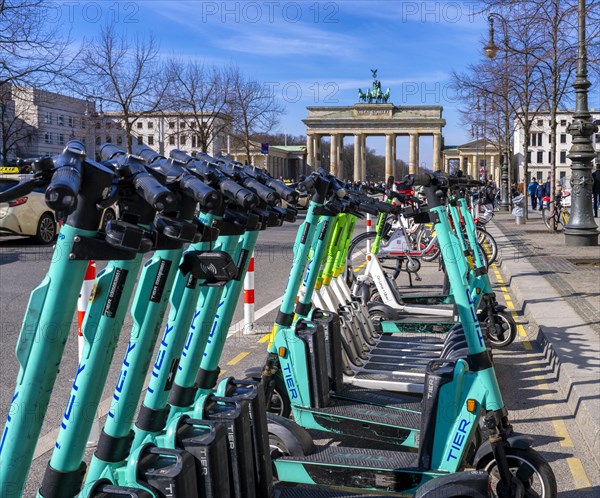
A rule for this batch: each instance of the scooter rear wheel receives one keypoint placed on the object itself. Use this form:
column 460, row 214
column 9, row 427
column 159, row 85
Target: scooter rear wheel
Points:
column 504, row 331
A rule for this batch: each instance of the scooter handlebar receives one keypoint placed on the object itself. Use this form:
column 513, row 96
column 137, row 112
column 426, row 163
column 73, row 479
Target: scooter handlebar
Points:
column 155, row 194
column 240, row 195
column 19, row 190
column 206, row 196
column 288, row 194
column 265, row 193
column 61, row 194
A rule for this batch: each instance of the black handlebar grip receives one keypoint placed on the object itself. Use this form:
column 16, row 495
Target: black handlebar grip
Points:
column 396, row 195
column 385, row 207
column 155, row 194
column 180, row 155
column 240, row 195
column 368, row 207
column 208, row 197
column 110, row 151
column 265, row 193
column 19, row 190
column 308, row 183
column 147, row 154
column 421, row 180
column 288, row 194
column 61, row 194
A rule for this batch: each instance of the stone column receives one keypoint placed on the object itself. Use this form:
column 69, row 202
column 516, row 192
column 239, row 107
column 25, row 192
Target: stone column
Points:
column 340, row 167
column 394, row 155
column 363, row 157
column 437, row 151
column 389, row 151
column 333, row 154
column 310, row 151
column 413, row 154
column 357, row 158
column 317, row 151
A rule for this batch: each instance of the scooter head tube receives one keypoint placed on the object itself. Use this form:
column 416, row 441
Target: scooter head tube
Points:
column 210, row 267
column 61, row 194
column 105, row 489
column 176, row 229
column 129, row 236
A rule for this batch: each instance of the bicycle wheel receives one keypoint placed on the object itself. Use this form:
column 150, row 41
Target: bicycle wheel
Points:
column 547, row 216
column 488, row 243
column 356, row 261
column 564, row 217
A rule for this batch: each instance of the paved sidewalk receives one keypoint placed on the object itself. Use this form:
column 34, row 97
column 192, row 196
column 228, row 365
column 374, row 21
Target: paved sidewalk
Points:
column 558, row 290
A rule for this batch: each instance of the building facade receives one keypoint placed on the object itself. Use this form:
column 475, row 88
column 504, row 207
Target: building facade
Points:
column 287, row 162
column 479, row 158
column 539, row 155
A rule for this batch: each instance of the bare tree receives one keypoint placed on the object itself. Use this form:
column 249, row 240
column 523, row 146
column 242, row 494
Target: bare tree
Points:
column 32, row 53
column 255, row 109
column 204, row 92
column 126, row 73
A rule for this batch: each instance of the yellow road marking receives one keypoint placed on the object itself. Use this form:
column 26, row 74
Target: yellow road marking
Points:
column 526, row 345
column 579, row 475
column 561, row 431
column 521, row 330
column 253, row 347
column 264, row 338
column 238, row 358
column 360, row 267
column 222, row 372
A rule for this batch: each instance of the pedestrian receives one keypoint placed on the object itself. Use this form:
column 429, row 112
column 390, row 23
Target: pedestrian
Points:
column 532, row 189
column 548, row 189
column 539, row 193
column 596, row 189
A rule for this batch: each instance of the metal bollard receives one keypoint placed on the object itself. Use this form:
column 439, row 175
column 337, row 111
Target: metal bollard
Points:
column 249, row 298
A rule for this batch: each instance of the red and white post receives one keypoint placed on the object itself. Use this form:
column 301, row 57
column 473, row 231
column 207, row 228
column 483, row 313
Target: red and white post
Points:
column 249, row 298
column 84, row 297
column 369, row 224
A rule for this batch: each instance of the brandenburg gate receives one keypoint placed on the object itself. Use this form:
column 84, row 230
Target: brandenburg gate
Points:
column 372, row 116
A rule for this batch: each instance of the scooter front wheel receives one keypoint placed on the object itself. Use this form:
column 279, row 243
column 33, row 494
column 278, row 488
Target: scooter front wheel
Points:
column 503, row 330
column 530, row 468
column 279, row 402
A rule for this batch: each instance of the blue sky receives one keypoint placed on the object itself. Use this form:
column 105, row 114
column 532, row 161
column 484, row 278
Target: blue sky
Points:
column 314, row 52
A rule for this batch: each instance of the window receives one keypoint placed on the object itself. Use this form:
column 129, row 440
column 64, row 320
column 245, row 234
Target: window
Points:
column 193, row 125
column 182, row 125
column 563, row 138
column 563, row 122
column 540, row 157
column 563, row 156
column 150, row 139
column 597, row 138
column 108, row 139
column 48, row 137
column 71, row 121
column 172, row 140
column 140, row 140
column 61, row 120
column 540, row 122
column 182, row 140
column 61, row 139
column 538, row 175
column 539, row 138
column 97, row 126
column 119, row 140
column 83, row 123
column 563, row 174
column 536, row 139
column 150, row 125
column 83, row 140
column 550, row 157
column 194, row 141
column 140, row 125
column 171, row 125
column 98, row 140
column 48, row 118
column 528, row 157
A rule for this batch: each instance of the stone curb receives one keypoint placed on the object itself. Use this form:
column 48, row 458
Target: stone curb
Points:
column 570, row 346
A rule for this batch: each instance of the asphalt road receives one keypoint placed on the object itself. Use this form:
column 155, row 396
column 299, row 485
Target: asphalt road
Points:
column 524, row 375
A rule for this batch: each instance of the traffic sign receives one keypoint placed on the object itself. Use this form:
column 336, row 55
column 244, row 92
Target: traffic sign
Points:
column 264, row 148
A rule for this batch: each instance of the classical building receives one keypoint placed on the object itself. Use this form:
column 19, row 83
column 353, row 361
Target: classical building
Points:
column 539, row 155
column 42, row 122
column 161, row 131
column 373, row 115
column 477, row 158
column 282, row 161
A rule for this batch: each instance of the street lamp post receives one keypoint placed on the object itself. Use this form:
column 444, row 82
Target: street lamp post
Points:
column 581, row 229
column 96, row 118
column 491, row 49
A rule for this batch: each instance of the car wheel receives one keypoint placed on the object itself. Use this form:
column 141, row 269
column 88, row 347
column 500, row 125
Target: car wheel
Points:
column 46, row 229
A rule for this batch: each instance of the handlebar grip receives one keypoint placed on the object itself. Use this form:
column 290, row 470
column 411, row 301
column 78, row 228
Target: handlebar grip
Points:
column 19, row 190
column 180, row 155
column 240, row 195
column 396, row 195
column 61, row 194
column 155, row 194
column 265, row 193
column 288, row 194
column 147, row 154
column 308, row 183
column 208, row 197
column 421, row 180
column 368, row 207
column 109, row 151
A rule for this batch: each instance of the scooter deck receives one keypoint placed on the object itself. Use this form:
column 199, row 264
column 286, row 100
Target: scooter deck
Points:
column 380, row 398
column 412, row 327
column 357, row 458
column 314, row 492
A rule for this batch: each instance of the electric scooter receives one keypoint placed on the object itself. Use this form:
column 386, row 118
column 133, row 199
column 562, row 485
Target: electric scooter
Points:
column 305, row 376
